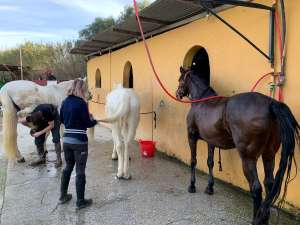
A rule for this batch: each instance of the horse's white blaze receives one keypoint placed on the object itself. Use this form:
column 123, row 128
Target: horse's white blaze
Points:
column 26, row 95
column 123, row 111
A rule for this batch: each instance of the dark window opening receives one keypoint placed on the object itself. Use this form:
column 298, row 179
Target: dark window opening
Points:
column 200, row 65
column 128, row 81
column 98, row 79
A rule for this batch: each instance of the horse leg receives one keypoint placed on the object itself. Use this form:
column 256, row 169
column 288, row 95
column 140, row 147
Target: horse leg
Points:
column 250, row 171
column 210, row 163
column 20, row 158
column 114, row 155
column 193, row 138
column 118, row 140
column 126, row 176
column 269, row 180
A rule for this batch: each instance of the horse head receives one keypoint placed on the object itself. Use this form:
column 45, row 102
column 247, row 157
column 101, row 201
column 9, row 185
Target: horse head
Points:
column 183, row 90
column 192, row 85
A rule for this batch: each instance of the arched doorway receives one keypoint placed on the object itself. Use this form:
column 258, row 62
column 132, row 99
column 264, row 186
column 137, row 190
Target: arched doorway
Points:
column 197, row 59
column 98, row 79
column 128, row 76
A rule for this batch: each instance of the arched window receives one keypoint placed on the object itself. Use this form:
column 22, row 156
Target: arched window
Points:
column 197, row 59
column 128, row 76
column 98, row 79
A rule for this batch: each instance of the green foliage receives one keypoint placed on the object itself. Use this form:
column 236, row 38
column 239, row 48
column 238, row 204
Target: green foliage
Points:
column 99, row 24
column 42, row 56
column 102, row 24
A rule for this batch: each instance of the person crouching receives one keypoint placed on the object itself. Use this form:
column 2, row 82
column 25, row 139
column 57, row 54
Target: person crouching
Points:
column 44, row 118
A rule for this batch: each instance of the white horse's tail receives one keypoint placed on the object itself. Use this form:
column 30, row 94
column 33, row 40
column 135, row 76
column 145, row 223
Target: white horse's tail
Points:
column 122, row 110
column 9, row 126
column 91, row 134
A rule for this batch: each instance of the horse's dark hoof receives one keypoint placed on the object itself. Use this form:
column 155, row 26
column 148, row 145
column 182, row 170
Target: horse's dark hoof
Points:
column 21, row 160
column 192, row 189
column 127, row 178
column 119, row 178
column 114, row 159
column 209, row 191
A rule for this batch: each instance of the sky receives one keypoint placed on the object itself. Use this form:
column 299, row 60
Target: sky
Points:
column 44, row 21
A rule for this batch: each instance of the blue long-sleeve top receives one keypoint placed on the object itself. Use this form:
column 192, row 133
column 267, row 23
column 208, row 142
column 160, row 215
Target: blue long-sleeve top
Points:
column 74, row 114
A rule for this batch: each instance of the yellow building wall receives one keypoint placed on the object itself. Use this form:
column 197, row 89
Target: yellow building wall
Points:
column 235, row 67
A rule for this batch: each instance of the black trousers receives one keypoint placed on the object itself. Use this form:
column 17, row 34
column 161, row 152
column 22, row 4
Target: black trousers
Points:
column 55, row 131
column 75, row 155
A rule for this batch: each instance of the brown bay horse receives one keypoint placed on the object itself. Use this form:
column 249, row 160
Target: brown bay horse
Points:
column 255, row 124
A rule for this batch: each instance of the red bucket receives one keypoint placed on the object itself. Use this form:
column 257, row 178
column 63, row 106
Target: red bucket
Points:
column 147, row 148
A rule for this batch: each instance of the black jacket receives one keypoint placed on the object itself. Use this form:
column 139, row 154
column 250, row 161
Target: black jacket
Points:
column 74, row 114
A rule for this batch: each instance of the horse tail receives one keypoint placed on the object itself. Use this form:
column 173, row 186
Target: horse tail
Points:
column 289, row 132
column 120, row 112
column 91, row 134
column 9, row 126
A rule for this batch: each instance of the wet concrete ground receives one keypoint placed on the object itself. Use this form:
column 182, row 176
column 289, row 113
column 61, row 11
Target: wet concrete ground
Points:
column 157, row 194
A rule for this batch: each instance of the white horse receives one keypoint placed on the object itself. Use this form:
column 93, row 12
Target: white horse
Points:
column 24, row 96
column 123, row 111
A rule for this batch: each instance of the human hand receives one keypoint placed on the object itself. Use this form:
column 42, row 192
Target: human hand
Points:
column 22, row 120
column 36, row 134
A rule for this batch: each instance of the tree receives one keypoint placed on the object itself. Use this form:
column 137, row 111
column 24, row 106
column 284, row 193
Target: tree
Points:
column 128, row 11
column 39, row 57
column 101, row 24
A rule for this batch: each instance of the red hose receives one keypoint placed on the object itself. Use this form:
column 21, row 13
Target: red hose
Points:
column 208, row 98
column 278, row 31
column 153, row 68
column 260, row 79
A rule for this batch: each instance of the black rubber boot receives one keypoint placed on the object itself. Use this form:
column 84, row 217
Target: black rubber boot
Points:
column 65, row 180
column 80, row 189
column 58, row 162
column 41, row 155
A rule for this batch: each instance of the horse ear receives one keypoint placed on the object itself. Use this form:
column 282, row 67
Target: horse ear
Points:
column 182, row 70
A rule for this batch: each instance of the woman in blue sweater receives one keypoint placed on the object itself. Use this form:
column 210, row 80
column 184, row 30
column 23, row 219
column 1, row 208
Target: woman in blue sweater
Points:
column 75, row 116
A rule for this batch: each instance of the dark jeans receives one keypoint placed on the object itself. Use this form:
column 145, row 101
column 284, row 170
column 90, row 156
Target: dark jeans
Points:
column 75, row 155
column 39, row 141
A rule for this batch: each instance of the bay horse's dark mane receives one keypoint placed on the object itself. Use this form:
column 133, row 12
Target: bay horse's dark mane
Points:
column 199, row 87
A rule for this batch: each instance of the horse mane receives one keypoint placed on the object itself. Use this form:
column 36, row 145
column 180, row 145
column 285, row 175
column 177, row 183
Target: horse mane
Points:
column 202, row 88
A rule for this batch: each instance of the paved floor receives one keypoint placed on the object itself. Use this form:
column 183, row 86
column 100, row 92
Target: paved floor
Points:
column 157, row 194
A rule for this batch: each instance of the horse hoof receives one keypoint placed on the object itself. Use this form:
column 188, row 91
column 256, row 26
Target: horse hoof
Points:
column 114, row 159
column 127, row 177
column 192, row 189
column 209, row 191
column 21, row 160
column 119, row 177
